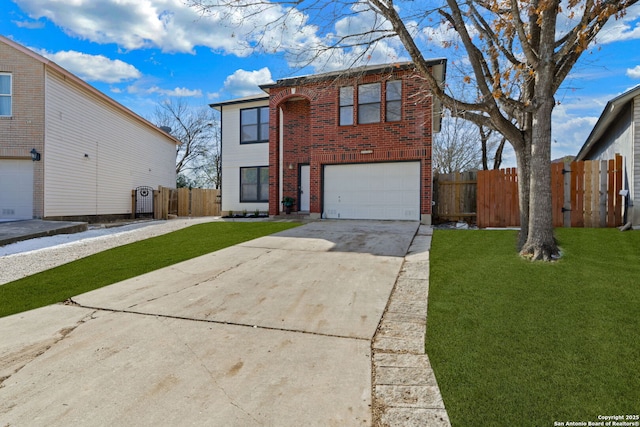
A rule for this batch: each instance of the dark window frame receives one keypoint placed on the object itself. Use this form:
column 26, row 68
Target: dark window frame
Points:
column 261, row 119
column 344, row 105
column 260, row 198
column 393, row 104
column 364, row 106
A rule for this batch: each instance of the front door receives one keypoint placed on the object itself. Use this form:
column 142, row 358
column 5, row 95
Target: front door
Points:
column 305, row 188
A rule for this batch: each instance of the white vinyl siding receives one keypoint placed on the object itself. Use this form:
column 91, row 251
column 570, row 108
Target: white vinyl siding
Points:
column 95, row 155
column 388, row 191
column 236, row 155
column 635, row 165
column 619, row 139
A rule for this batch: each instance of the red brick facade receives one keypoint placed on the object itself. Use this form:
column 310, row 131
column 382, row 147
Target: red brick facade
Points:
column 311, row 133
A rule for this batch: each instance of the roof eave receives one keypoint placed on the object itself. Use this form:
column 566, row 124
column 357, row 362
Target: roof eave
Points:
column 609, row 114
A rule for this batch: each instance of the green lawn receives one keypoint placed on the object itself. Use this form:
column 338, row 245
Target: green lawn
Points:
column 111, row 266
column 515, row 343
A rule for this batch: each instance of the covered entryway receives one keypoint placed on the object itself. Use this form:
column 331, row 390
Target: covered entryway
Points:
column 16, row 189
column 372, row 191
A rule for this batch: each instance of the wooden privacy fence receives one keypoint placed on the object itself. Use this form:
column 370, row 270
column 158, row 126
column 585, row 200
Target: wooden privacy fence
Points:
column 184, row 202
column 455, row 196
column 583, row 194
column 498, row 198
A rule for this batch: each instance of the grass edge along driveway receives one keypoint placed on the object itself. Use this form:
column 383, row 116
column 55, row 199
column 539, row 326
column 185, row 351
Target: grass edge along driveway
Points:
column 515, row 343
column 123, row 262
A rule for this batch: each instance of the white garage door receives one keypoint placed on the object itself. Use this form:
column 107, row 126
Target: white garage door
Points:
column 372, row 191
column 16, row 189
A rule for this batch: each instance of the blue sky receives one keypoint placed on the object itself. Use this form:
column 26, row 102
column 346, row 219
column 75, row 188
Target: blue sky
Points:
column 140, row 52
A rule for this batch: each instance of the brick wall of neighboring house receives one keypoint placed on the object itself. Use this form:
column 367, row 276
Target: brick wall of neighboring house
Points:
column 312, row 134
column 24, row 130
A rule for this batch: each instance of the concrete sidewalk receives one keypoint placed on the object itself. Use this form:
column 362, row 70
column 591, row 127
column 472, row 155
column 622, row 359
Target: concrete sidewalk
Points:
column 273, row 332
column 16, row 231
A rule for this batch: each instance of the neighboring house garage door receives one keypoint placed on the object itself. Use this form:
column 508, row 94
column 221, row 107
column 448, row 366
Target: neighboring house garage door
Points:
column 16, row 189
column 372, row 191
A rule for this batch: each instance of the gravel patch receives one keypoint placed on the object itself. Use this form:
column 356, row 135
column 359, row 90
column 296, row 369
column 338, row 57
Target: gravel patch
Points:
column 22, row 259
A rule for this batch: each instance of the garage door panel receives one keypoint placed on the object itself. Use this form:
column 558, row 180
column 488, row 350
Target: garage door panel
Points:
column 372, row 191
column 16, row 189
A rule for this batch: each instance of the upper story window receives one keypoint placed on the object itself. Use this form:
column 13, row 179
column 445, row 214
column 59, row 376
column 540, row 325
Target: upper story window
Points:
column 5, row 94
column 369, row 103
column 394, row 101
column 254, row 125
column 346, row 105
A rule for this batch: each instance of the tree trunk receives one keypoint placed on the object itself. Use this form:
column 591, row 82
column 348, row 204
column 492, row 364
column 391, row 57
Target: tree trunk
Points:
column 497, row 160
column 524, row 175
column 540, row 243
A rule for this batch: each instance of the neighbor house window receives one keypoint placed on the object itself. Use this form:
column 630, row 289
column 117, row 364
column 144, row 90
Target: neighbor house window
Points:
column 254, row 184
column 346, row 105
column 254, row 125
column 369, row 103
column 394, row 101
column 5, row 94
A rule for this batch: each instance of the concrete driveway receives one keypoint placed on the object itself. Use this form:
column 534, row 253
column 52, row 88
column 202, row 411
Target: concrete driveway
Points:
column 273, row 332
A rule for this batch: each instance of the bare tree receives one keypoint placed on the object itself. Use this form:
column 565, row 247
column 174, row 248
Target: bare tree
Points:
column 456, row 148
column 198, row 155
column 462, row 145
column 518, row 53
column 488, row 142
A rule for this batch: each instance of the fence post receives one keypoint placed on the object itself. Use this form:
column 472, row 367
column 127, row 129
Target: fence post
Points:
column 133, row 204
column 567, row 177
column 619, row 199
column 603, row 194
column 557, row 193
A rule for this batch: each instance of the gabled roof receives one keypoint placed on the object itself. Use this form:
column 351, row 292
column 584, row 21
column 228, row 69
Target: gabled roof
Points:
column 364, row 70
column 439, row 69
column 86, row 86
column 607, row 117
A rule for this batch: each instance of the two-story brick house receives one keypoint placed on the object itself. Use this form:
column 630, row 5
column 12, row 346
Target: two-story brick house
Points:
column 68, row 151
column 353, row 144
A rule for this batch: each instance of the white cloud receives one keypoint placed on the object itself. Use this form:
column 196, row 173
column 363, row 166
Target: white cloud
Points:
column 32, row 25
column 634, row 73
column 169, row 25
column 625, row 28
column 569, row 130
column 94, row 68
column 246, row 83
column 177, row 92
column 173, row 27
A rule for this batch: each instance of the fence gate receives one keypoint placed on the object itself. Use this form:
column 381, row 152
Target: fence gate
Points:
column 144, row 202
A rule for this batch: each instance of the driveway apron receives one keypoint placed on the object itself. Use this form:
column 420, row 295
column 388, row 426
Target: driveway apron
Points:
column 273, row 332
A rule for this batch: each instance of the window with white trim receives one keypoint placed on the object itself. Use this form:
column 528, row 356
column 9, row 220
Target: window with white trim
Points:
column 254, row 184
column 5, row 94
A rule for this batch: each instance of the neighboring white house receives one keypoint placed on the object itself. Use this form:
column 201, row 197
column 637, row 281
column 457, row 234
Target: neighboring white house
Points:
column 245, row 158
column 618, row 132
column 68, row 151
